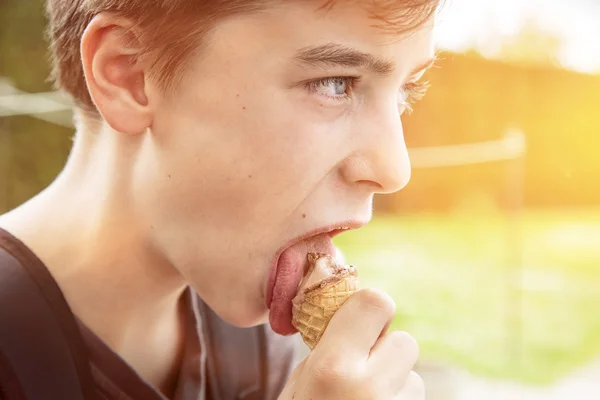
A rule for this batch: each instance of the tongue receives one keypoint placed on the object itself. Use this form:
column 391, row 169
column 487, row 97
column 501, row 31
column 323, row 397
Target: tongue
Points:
column 290, row 270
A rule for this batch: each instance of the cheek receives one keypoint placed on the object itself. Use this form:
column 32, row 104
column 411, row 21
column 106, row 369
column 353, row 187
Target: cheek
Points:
column 288, row 155
column 287, row 136
column 250, row 154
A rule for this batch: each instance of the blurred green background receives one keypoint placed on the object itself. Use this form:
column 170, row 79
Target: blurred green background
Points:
column 493, row 250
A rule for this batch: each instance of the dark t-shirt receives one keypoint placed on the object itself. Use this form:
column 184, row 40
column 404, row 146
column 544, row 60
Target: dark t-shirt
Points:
column 219, row 361
column 115, row 379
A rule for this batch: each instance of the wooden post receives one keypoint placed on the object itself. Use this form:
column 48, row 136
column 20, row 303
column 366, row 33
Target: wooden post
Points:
column 515, row 182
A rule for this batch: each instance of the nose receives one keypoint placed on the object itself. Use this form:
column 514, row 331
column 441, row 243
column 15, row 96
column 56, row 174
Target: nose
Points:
column 380, row 160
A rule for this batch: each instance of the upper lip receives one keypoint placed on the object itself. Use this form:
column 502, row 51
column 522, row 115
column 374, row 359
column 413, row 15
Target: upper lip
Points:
column 332, row 229
column 336, row 229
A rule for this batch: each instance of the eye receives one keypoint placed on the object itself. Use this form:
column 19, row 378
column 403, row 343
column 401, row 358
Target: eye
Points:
column 337, row 88
column 332, row 87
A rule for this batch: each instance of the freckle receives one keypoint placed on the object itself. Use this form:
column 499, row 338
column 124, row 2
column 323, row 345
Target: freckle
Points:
column 237, row 95
column 169, row 175
column 303, row 215
column 249, row 176
column 244, row 107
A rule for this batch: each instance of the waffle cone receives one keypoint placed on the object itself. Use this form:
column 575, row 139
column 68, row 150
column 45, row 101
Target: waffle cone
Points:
column 314, row 306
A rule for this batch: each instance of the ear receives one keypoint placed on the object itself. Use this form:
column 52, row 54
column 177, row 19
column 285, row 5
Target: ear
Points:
column 115, row 76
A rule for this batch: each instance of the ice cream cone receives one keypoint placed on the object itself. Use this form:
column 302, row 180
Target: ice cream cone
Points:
column 316, row 303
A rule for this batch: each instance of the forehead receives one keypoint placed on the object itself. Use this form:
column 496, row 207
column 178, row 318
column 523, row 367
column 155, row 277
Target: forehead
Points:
column 287, row 27
column 364, row 18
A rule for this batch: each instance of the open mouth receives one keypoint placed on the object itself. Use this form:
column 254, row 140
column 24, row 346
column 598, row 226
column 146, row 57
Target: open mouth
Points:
column 329, row 232
column 288, row 270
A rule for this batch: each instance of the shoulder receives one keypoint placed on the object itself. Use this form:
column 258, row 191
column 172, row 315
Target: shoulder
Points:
column 10, row 388
column 10, row 293
column 11, row 262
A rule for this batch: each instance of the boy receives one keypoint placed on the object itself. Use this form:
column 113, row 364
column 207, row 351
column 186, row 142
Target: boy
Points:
column 218, row 142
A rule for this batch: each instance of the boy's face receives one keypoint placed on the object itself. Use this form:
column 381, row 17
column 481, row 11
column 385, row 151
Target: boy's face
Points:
column 286, row 126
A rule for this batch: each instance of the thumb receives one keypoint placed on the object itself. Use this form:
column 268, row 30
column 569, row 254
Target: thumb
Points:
column 290, row 387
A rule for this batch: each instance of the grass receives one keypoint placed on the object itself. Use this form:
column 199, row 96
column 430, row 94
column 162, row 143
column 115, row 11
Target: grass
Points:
column 504, row 297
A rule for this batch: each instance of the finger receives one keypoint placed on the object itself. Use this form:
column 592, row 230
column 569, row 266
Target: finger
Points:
column 414, row 389
column 298, row 368
column 357, row 325
column 394, row 356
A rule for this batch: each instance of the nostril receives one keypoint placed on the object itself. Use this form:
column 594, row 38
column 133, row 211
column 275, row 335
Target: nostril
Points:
column 372, row 186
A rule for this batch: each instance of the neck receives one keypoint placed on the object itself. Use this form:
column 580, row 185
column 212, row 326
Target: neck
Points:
column 85, row 230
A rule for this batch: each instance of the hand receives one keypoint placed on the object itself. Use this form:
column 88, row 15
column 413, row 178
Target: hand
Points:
column 356, row 359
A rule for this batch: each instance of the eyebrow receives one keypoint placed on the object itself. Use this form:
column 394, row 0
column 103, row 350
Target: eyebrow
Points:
column 337, row 55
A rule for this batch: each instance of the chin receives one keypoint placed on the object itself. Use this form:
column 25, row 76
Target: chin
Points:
column 244, row 317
